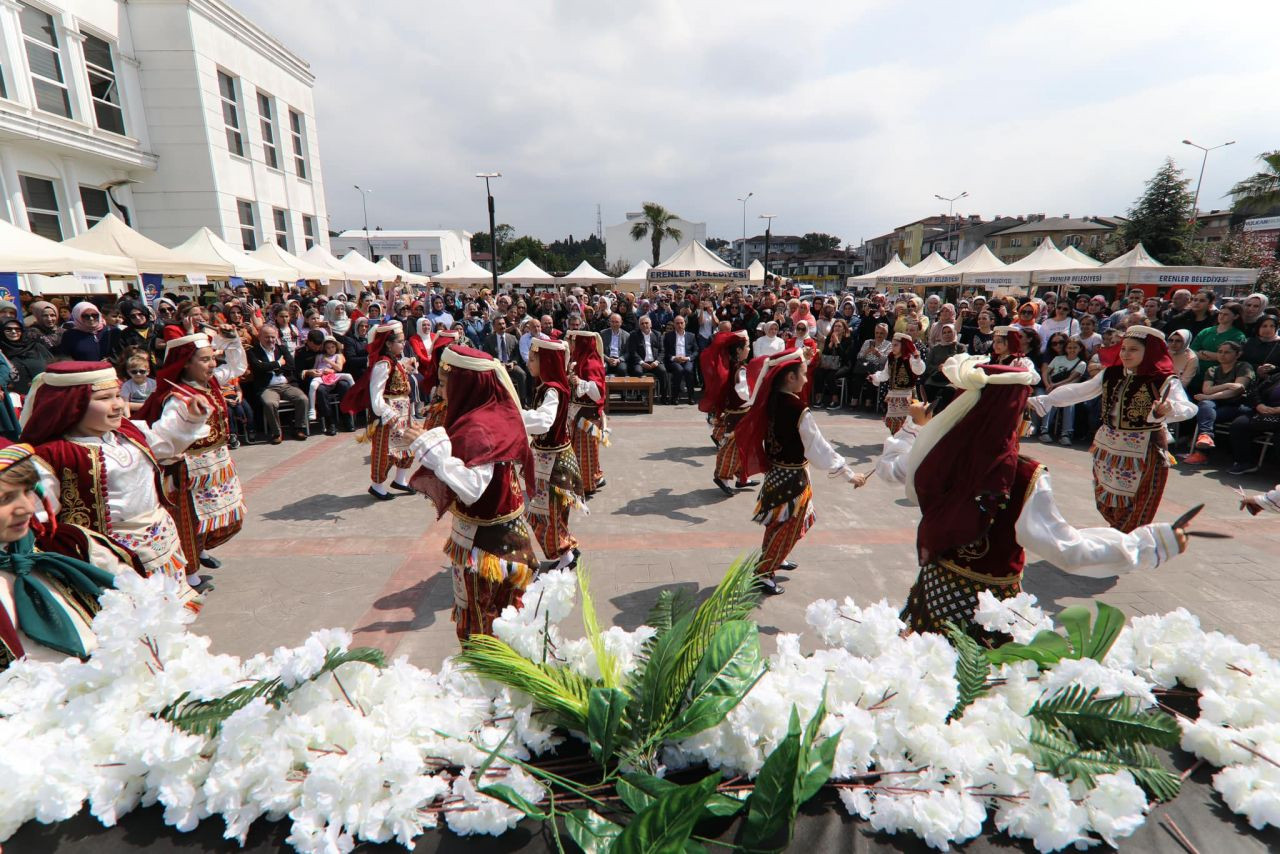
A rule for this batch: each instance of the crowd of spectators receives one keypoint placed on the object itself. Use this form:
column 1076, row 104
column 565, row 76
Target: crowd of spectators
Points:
column 306, row 350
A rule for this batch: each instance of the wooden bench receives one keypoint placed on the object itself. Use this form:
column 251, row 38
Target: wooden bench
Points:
column 624, row 388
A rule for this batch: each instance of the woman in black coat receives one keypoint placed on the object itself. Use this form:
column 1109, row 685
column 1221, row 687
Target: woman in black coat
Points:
column 26, row 353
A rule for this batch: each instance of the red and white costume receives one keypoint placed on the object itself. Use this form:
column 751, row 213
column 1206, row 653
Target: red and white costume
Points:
column 589, row 424
column 557, row 477
column 901, row 377
column 384, row 392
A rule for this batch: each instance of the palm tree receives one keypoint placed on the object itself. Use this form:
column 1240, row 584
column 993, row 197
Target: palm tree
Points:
column 1260, row 192
column 657, row 226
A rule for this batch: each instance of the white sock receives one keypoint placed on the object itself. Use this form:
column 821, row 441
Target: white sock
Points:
column 565, row 559
column 401, row 476
column 379, row 488
column 193, row 580
column 205, row 554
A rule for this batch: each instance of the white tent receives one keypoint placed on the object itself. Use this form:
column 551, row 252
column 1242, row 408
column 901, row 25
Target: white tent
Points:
column 360, row 267
column 392, row 272
column 270, row 253
column 1081, row 259
column 637, row 274
column 466, row 273
column 111, row 236
column 322, row 257
column 1135, row 257
column 933, row 264
column 893, row 268
column 527, row 273
column 980, row 260
column 585, row 274
column 1046, row 256
column 24, row 252
column 696, row 263
column 205, row 247
column 755, row 271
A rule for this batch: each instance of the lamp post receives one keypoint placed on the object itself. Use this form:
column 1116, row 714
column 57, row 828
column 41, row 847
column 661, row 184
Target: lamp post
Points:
column 364, row 195
column 493, row 230
column 1195, row 205
column 768, row 225
column 951, row 203
column 742, row 259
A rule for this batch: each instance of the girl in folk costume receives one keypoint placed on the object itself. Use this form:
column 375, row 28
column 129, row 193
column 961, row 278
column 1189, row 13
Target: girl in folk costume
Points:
column 900, row 376
column 713, row 362
column 586, row 411
column 1140, row 395
column 106, row 469
column 201, row 486
column 779, row 436
column 1008, row 347
column 727, row 383
column 982, row 503
column 558, row 481
column 469, row 467
column 432, row 387
column 383, row 390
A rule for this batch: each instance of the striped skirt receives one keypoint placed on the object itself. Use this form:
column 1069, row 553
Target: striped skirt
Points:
column 727, row 462
column 381, row 459
column 211, row 509
column 588, row 436
column 491, row 565
column 785, row 508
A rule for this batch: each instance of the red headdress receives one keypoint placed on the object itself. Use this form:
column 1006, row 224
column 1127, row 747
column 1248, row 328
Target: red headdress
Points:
column 1012, row 338
column 754, row 426
column 60, row 396
column 553, row 365
column 963, row 463
column 357, row 397
column 906, row 344
column 1155, row 357
column 715, row 363
column 588, row 357
column 179, row 349
column 482, row 418
column 430, row 370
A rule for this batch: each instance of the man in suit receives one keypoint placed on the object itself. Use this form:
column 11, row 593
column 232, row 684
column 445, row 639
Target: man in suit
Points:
column 616, row 347
column 644, row 355
column 505, row 347
column 681, row 349
column 273, row 377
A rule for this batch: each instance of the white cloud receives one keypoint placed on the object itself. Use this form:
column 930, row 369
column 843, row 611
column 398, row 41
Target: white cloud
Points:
column 840, row 116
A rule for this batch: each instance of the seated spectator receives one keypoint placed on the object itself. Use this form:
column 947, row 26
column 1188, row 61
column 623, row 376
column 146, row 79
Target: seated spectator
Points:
column 1060, row 320
column 328, row 368
column 645, row 356
column 273, row 374
column 1221, row 398
column 681, row 351
column 946, row 314
column 615, row 339
column 1066, row 365
column 1089, row 335
column 355, row 346
column 88, row 339
column 1186, row 364
column 770, row 342
column 311, row 363
column 835, row 364
column 1261, row 414
column 1227, row 329
column 871, row 358
column 1263, row 349
column 238, row 411
column 25, row 351
column 936, row 385
column 139, row 386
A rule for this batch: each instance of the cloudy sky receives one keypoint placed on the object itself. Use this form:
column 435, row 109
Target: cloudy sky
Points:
column 843, row 116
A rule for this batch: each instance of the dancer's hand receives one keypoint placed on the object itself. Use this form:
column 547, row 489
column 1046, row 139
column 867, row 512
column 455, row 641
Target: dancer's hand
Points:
column 411, row 432
column 859, row 480
column 198, row 408
column 1181, row 536
column 920, row 413
column 1252, row 504
column 1162, row 409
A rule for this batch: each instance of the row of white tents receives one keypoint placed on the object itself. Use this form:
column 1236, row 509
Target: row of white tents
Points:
column 1050, row 266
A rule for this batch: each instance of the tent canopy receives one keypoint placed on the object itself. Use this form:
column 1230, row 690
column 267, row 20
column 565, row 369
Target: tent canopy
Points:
column 527, row 273
column 696, row 263
column 980, row 260
column 360, row 267
column 270, row 253
column 394, row 272
column 1081, row 259
column 24, row 252
column 1135, row 257
column 755, row 271
column 466, row 273
column 1045, row 257
column 205, row 247
column 585, row 274
column 933, row 264
column 111, row 236
column 893, row 268
column 637, row 274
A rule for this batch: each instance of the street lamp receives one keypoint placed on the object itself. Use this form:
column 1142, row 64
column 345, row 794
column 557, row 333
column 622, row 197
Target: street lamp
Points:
column 768, row 218
column 951, row 202
column 742, row 259
column 1195, row 205
column 364, row 195
column 493, row 231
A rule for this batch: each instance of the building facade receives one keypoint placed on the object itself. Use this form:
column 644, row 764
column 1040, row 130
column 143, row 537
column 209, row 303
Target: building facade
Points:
column 425, row 252
column 1085, row 233
column 174, row 114
column 780, row 246
column 621, row 248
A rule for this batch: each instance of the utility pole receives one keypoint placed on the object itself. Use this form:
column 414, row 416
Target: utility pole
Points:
column 768, row 227
column 1195, row 205
column 742, row 256
column 493, row 231
column 364, row 195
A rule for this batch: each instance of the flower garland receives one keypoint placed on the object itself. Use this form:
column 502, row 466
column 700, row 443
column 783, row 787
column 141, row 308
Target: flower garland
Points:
column 373, row 754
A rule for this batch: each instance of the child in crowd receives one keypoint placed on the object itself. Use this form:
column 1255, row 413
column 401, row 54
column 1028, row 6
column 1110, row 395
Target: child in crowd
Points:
column 330, row 364
column 140, row 385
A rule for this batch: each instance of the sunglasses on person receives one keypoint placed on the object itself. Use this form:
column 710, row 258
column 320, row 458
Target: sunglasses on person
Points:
column 138, row 372
column 90, row 315
column 1026, row 312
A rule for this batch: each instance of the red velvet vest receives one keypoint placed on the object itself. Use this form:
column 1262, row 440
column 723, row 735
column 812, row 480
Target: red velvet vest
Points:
column 1135, row 395
column 82, row 478
column 782, row 442
column 397, row 381
column 900, row 374
column 591, row 408
column 557, row 436
column 502, row 498
column 219, row 422
column 997, row 554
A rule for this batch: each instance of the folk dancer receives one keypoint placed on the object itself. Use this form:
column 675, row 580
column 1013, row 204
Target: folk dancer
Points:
column 1140, row 395
column 432, row 385
column 590, row 425
column 106, row 468
column 901, row 372
column 982, row 503
column 778, row 436
column 201, row 486
column 725, row 393
column 558, row 481
column 1008, row 347
column 469, row 468
column 383, row 390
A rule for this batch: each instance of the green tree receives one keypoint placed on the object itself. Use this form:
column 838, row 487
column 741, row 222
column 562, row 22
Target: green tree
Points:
column 1260, row 192
column 1161, row 218
column 481, row 241
column 656, row 226
column 715, row 244
column 816, row 242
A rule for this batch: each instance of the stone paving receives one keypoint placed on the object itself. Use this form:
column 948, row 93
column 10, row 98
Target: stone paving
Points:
column 317, row 551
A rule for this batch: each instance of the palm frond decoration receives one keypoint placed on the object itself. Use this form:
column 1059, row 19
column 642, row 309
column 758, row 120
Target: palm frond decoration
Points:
column 972, row 669
column 734, row 598
column 1056, row 752
column 671, row 606
column 558, row 690
column 610, row 669
column 1105, row 721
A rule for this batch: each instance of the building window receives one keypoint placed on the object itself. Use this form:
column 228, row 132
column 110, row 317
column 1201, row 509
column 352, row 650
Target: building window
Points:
column 248, row 232
column 42, row 207
column 398, row 260
column 45, row 61
column 95, row 205
column 308, row 230
column 280, row 218
column 103, row 86
column 269, row 150
column 1015, row 242
column 231, row 113
column 415, row 263
column 435, row 263
column 296, row 130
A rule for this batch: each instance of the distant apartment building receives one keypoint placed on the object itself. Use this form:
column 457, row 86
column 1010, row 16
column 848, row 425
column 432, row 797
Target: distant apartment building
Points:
column 780, row 246
column 1085, row 233
column 426, row 252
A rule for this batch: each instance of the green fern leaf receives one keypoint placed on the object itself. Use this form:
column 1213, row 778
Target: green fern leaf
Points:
column 558, row 690
column 1107, row 721
column 670, row 607
column 972, row 669
column 1056, row 752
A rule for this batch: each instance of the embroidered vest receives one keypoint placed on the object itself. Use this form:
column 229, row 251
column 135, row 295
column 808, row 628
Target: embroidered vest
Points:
column 397, row 381
column 782, row 442
column 1135, row 396
column 997, row 553
column 219, row 421
column 901, row 377
column 502, row 499
column 557, row 434
column 82, row 477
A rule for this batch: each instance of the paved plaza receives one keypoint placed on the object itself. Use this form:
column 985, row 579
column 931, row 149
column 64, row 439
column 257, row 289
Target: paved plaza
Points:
column 317, row 551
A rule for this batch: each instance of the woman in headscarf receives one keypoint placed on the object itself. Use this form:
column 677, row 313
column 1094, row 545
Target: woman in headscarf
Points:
column 88, row 339
column 25, row 351
column 1139, row 395
column 335, row 313
column 45, row 323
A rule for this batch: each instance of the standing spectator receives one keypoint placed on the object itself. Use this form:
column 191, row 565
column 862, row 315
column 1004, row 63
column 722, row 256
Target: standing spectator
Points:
column 88, row 340
column 681, row 350
column 1186, row 364
column 1199, row 317
column 355, row 346
column 1061, row 320
column 273, row 373
column 1221, row 398
column 978, row 339
column 1227, row 329
column 25, row 351
column 946, row 315
column 1089, row 336
column 1179, row 301
column 45, row 324
column 1067, row 365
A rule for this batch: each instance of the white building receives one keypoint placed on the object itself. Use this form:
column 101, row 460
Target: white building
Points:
column 177, row 113
column 426, row 252
column 620, row 247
